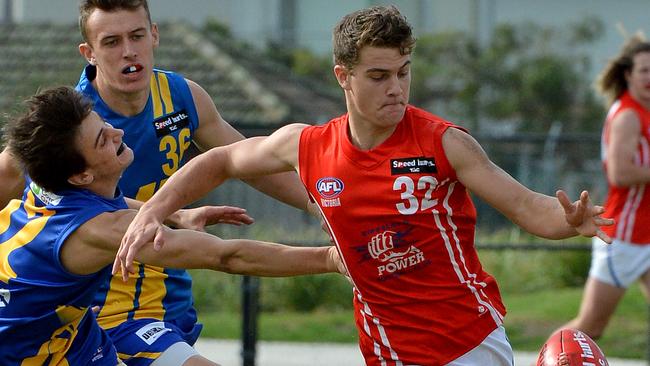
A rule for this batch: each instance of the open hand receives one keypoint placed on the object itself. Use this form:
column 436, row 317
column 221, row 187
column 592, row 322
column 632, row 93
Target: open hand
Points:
column 144, row 229
column 584, row 216
column 200, row 217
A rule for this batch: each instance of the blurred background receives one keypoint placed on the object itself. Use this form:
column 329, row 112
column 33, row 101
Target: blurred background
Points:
column 518, row 74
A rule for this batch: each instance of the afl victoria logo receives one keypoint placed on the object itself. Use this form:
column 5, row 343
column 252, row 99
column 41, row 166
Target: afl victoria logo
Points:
column 329, row 187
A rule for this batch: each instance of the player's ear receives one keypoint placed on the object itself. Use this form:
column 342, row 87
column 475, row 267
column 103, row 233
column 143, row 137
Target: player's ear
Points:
column 342, row 74
column 81, row 179
column 155, row 35
column 87, row 52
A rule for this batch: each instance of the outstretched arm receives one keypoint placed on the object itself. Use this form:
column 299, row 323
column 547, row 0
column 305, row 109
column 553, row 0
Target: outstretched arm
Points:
column 94, row 244
column 539, row 214
column 248, row 158
column 214, row 131
column 200, row 217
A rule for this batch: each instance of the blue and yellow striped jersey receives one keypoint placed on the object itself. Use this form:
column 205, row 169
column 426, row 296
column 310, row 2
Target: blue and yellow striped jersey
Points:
column 159, row 136
column 44, row 315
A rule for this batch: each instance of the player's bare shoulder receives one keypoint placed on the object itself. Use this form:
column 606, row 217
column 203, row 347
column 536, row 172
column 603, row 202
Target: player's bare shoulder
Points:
column 462, row 149
column 285, row 142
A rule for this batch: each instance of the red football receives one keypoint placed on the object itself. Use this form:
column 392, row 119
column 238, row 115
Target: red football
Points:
column 570, row 347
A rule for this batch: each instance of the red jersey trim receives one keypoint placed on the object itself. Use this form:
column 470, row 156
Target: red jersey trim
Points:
column 627, row 204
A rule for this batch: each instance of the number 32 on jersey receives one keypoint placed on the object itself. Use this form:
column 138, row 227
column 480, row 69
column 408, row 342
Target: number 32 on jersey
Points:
column 410, row 190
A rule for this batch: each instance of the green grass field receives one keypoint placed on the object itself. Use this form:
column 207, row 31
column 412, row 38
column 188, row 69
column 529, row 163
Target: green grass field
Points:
column 531, row 317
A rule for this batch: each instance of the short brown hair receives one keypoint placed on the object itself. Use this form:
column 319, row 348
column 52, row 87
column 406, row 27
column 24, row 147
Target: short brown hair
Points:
column 611, row 81
column 43, row 140
column 86, row 7
column 377, row 26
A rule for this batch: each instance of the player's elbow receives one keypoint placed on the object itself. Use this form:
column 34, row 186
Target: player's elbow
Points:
column 230, row 262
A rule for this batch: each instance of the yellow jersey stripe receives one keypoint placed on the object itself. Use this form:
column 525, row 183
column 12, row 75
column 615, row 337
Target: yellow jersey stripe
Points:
column 149, row 355
column 115, row 312
column 152, row 293
column 145, row 192
column 165, row 93
column 6, row 214
column 57, row 346
column 24, row 236
column 155, row 98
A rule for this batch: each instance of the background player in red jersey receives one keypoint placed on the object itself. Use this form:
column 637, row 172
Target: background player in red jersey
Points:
column 625, row 82
column 391, row 182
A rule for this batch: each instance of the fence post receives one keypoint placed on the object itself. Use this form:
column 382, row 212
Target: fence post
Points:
column 250, row 301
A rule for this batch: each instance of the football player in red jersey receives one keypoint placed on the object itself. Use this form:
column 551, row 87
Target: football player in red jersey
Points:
column 625, row 82
column 391, row 181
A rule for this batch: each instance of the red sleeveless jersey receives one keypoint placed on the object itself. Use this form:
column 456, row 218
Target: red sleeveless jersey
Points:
column 404, row 226
column 629, row 206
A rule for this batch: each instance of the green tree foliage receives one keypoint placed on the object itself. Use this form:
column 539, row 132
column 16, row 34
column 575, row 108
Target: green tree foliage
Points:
column 527, row 75
column 524, row 79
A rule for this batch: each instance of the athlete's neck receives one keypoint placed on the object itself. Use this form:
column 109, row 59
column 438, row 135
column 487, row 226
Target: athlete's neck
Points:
column 106, row 187
column 366, row 135
column 639, row 97
column 126, row 104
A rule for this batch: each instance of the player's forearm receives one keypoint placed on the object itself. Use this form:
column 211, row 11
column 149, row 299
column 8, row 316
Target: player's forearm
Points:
column 193, row 249
column 543, row 216
column 274, row 260
column 285, row 187
column 191, row 182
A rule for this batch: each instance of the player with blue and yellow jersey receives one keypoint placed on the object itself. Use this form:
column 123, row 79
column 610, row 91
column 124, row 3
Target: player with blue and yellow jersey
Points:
column 159, row 136
column 119, row 43
column 44, row 308
column 58, row 242
column 161, row 113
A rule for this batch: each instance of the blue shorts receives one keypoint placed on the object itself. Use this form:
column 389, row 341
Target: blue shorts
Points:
column 140, row 342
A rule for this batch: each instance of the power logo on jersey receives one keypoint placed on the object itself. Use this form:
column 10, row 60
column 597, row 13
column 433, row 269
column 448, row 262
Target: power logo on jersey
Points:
column 390, row 251
column 170, row 123
column 391, row 258
column 329, row 189
column 413, row 165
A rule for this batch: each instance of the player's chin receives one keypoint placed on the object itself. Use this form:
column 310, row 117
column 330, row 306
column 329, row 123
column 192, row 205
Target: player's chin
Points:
column 127, row 156
column 134, row 85
column 397, row 114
